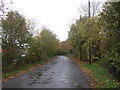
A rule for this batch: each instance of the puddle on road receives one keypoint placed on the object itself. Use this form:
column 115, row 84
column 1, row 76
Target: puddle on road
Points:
column 38, row 82
column 49, row 77
column 46, row 81
column 73, row 78
column 34, row 83
column 41, row 82
column 38, row 76
column 64, row 80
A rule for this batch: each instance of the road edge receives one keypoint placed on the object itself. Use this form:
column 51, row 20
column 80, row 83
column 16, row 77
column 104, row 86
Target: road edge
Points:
column 85, row 70
column 28, row 70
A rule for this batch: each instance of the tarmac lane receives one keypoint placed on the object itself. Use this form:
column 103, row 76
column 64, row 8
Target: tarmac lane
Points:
column 59, row 73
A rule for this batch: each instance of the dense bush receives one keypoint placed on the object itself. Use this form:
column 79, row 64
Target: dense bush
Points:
column 112, row 62
column 42, row 46
column 85, row 52
column 15, row 37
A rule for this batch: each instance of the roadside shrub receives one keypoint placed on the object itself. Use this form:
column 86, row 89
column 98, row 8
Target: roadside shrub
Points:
column 85, row 52
column 112, row 62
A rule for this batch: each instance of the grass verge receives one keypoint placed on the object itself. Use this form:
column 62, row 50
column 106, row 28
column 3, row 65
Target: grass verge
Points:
column 23, row 69
column 99, row 75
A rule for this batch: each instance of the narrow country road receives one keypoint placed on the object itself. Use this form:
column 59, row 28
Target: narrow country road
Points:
column 59, row 73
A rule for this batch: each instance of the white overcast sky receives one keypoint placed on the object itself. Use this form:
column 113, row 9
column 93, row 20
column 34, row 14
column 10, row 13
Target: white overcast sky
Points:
column 56, row 15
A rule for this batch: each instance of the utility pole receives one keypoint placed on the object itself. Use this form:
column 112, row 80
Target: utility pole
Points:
column 89, row 8
column 89, row 29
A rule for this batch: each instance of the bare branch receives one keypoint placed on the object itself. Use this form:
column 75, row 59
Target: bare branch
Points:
column 4, row 7
column 94, row 8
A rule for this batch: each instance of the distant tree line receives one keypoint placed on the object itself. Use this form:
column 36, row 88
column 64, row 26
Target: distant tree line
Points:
column 64, row 48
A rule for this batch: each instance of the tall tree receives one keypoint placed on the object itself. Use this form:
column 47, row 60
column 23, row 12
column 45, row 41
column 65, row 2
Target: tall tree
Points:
column 49, row 42
column 110, row 19
column 76, row 36
column 42, row 46
column 14, row 38
column 109, row 23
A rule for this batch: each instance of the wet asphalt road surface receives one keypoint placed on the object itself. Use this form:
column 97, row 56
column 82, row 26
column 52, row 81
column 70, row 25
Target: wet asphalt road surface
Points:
column 59, row 73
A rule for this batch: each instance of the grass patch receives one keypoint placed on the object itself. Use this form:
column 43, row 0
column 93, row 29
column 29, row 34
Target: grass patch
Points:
column 19, row 70
column 101, row 76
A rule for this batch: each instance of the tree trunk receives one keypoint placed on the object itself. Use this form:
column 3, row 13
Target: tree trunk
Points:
column 90, row 62
column 89, row 29
column 81, row 53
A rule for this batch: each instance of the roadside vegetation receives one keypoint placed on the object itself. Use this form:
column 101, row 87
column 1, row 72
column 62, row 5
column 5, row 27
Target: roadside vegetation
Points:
column 21, row 48
column 93, row 39
column 101, row 76
column 96, row 39
column 24, row 69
